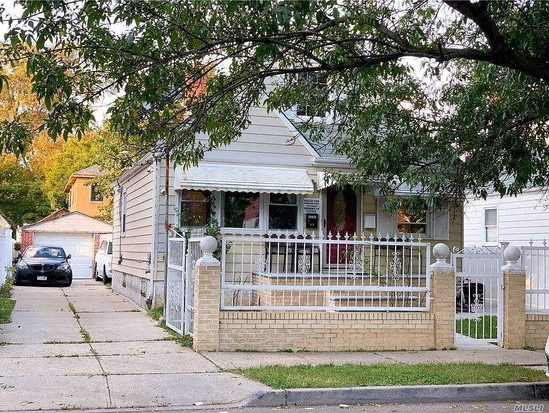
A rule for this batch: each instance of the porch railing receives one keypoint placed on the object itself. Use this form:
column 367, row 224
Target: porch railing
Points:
column 333, row 273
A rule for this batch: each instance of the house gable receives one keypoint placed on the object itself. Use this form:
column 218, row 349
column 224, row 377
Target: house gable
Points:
column 267, row 141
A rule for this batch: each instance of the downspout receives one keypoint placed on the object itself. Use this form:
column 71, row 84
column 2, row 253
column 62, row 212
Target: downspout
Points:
column 166, row 224
column 153, row 261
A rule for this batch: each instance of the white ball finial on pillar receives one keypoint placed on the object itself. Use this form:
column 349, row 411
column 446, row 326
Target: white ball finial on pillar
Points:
column 441, row 253
column 208, row 245
column 511, row 255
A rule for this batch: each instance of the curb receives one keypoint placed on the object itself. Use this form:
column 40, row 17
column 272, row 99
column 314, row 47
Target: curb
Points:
column 400, row 394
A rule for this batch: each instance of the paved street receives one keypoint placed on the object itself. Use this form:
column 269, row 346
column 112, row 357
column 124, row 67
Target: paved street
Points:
column 47, row 362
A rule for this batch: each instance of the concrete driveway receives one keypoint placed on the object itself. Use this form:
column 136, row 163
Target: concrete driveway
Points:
column 85, row 347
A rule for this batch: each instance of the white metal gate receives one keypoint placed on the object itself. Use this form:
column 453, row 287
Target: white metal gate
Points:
column 175, row 282
column 479, row 309
column 182, row 256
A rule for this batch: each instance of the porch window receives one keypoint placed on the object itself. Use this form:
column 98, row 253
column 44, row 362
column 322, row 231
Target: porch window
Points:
column 491, row 225
column 241, row 210
column 412, row 222
column 195, row 208
column 283, row 211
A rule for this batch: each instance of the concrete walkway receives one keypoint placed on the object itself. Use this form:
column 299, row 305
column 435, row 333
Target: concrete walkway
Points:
column 491, row 355
column 85, row 347
column 48, row 363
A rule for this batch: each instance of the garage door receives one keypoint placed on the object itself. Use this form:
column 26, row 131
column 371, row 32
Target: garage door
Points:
column 80, row 246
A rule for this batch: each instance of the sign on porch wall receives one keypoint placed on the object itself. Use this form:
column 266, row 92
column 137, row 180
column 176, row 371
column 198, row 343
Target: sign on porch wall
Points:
column 311, row 205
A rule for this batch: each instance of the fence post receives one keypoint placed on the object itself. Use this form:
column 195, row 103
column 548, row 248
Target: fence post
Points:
column 514, row 301
column 443, row 288
column 207, row 291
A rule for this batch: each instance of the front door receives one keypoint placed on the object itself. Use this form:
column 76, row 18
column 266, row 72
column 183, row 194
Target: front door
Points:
column 340, row 219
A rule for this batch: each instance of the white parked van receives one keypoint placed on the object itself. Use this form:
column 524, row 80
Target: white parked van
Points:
column 103, row 261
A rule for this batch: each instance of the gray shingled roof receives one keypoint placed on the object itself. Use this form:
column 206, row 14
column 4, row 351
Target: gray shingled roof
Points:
column 324, row 146
column 89, row 171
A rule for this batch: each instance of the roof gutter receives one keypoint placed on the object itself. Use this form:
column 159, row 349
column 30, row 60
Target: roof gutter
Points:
column 332, row 163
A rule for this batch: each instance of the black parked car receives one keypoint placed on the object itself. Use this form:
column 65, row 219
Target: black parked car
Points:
column 43, row 265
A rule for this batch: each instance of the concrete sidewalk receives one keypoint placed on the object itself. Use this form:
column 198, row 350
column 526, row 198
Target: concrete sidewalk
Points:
column 491, row 354
column 47, row 364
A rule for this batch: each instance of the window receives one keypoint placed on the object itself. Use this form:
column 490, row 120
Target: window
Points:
column 241, row 210
column 123, row 213
column 412, row 222
column 283, row 211
column 491, row 225
column 95, row 195
column 195, row 208
column 319, row 81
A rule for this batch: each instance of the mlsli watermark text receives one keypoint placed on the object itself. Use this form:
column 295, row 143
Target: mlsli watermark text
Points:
column 531, row 407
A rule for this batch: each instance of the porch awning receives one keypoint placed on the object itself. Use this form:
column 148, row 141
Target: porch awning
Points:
column 237, row 178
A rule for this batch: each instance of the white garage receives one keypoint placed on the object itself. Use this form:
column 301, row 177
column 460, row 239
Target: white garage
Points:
column 75, row 233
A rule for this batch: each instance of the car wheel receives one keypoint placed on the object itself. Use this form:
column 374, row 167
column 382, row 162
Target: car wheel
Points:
column 16, row 280
column 105, row 278
column 68, row 283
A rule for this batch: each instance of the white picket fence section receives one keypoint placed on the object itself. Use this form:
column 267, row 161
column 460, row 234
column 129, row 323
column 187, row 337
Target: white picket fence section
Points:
column 6, row 253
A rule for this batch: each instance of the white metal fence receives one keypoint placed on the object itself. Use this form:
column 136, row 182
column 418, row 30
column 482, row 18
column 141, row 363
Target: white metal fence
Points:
column 182, row 255
column 6, row 253
column 478, row 293
column 535, row 261
column 342, row 273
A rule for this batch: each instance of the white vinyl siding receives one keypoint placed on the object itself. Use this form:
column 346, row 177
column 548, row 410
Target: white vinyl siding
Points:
column 520, row 218
column 266, row 142
column 133, row 246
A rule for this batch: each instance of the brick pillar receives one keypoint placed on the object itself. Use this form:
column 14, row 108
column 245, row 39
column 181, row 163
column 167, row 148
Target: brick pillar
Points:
column 443, row 288
column 514, row 301
column 207, row 301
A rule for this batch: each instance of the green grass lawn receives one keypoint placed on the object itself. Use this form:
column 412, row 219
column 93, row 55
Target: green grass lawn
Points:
column 6, row 307
column 483, row 327
column 352, row 375
column 6, row 303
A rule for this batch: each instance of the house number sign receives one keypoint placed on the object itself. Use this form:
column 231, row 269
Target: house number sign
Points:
column 311, row 205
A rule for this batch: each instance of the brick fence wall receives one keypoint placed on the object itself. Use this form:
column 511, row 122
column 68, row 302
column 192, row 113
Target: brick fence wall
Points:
column 216, row 330
column 325, row 331
column 537, row 330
